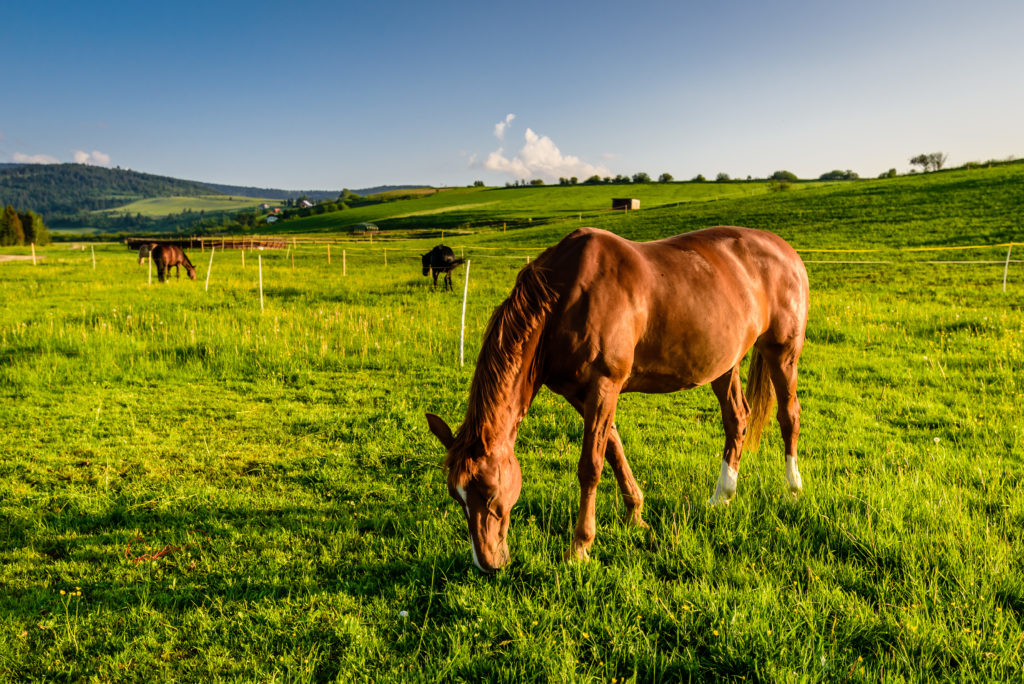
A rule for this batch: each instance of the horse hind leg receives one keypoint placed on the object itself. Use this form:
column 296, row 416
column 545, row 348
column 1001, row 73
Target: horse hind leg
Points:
column 735, row 414
column 782, row 364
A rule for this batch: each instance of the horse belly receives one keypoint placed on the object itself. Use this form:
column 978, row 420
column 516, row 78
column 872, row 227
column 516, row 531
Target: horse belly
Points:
column 691, row 348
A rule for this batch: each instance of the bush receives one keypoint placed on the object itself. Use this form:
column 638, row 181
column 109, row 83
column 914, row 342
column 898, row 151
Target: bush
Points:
column 836, row 174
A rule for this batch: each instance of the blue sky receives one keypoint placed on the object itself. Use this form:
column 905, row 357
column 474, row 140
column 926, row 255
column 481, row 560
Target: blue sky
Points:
column 325, row 95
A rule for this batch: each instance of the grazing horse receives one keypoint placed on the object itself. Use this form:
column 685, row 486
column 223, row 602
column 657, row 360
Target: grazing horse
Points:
column 441, row 259
column 144, row 251
column 597, row 315
column 165, row 256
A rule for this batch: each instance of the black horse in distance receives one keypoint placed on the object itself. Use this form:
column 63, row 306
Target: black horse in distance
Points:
column 441, row 259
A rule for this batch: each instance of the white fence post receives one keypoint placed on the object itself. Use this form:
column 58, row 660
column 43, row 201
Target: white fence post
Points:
column 260, row 258
column 149, row 281
column 1006, row 268
column 93, row 248
column 34, row 255
column 208, row 269
column 462, row 333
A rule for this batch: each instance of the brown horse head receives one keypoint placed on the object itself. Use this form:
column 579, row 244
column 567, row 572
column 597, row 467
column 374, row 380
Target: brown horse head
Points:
column 191, row 270
column 486, row 482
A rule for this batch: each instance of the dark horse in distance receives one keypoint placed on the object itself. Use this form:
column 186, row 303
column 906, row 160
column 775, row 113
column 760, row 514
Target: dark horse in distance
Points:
column 597, row 315
column 441, row 259
column 165, row 256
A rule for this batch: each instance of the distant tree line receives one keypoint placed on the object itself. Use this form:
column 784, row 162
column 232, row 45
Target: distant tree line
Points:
column 22, row 228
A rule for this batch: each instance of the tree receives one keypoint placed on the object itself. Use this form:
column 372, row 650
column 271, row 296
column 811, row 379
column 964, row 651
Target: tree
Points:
column 665, row 178
column 836, row 174
column 34, row 228
column 478, row 184
column 699, row 178
column 593, row 180
column 537, row 181
column 784, row 176
column 641, row 178
column 11, row 231
column 891, row 173
column 929, row 162
column 723, row 178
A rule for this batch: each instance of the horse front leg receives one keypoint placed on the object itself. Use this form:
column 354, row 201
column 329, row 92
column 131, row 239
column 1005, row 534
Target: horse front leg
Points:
column 735, row 413
column 632, row 496
column 598, row 415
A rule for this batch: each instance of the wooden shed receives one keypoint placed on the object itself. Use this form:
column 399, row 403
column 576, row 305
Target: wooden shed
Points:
column 625, row 203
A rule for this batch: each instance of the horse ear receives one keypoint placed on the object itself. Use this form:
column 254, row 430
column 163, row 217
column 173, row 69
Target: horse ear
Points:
column 440, row 430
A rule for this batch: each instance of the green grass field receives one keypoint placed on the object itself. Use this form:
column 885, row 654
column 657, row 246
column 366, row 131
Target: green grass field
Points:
column 195, row 489
column 518, row 207
column 164, row 206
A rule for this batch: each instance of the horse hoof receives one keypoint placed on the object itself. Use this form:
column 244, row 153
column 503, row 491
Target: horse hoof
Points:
column 576, row 554
column 639, row 522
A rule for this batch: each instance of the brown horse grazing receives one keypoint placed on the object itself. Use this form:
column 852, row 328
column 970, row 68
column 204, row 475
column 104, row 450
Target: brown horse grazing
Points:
column 597, row 315
column 165, row 256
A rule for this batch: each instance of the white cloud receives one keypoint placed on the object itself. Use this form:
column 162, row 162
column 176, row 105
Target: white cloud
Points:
column 539, row 158
column 502, row 126
column 20, row 158
column 96, row 158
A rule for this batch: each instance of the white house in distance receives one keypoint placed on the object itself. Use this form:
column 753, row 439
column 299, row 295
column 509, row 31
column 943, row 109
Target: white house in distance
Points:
column 305, row 204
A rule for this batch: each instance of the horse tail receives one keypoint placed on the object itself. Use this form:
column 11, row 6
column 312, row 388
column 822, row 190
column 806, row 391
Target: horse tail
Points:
column 760, row 398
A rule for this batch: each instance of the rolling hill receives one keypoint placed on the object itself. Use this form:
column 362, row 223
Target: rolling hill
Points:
column 61, row 191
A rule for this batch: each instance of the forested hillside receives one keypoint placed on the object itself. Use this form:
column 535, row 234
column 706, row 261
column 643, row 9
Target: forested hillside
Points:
column 60, row 190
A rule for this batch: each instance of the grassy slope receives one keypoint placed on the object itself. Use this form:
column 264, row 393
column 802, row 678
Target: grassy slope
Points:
column 163, row 206
column 518, row 206
column 282, row 462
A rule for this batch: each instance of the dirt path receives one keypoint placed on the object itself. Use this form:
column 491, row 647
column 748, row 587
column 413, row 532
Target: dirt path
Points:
column 16, row 257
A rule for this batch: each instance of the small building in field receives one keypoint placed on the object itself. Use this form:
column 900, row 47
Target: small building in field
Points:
column 364, row 228
column 625, row 203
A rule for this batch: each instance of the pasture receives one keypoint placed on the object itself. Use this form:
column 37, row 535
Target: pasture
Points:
column 162, row 206
column 191, row 488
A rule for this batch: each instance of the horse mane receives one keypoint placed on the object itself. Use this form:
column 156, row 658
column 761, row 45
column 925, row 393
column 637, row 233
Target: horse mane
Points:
column 511, row 325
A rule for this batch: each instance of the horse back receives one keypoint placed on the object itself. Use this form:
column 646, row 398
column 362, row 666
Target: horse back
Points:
column 672, row 313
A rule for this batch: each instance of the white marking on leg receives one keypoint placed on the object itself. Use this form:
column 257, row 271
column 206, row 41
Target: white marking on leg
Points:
column 465, row 508
column 796, row 485
column 726, row 488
